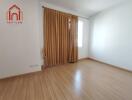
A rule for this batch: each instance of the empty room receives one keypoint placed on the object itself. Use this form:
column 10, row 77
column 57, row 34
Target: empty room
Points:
column 65, row 50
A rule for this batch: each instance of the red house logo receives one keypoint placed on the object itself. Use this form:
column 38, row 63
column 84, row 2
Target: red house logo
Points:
column 14, row 15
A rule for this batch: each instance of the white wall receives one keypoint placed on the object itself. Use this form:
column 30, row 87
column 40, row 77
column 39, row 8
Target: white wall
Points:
column 83, row 50
column 111, row 36
column 20, row 43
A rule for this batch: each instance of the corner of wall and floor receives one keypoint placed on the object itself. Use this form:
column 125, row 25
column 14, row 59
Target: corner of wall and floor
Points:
column 110, row 36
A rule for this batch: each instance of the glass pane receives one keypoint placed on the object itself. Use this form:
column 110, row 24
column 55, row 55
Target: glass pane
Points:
column 80, row 33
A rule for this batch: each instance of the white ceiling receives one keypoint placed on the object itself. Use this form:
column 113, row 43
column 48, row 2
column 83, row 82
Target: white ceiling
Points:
column 85, row 7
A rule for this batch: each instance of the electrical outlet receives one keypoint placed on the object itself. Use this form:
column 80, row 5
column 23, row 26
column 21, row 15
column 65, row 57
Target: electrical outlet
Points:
column 32, row 66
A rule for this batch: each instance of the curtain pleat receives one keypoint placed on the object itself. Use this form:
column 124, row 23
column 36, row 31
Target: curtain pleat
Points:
column 59, row 39
column 73, row 36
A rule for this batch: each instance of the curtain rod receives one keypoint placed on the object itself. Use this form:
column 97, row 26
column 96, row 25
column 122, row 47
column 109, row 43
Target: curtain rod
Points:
column 70, row 13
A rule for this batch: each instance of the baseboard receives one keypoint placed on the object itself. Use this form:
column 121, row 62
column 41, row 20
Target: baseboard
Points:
column 21, row 73
column 83, row 59
column 44, row 66
column 111, row 65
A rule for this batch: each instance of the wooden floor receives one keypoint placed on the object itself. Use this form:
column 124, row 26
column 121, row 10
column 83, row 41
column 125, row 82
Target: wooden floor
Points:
column 85, row 80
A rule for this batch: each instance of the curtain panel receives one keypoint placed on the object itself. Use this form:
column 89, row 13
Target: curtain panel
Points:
column 60, row 37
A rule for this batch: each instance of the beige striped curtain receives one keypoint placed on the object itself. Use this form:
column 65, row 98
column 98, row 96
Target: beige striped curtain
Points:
column 56, row 38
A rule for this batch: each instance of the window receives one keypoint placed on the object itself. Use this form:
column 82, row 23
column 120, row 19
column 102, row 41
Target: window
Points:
column 80, row 33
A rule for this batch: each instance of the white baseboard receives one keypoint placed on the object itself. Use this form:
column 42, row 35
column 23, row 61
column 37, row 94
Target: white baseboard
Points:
column 19, row 72
column 113, row 65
